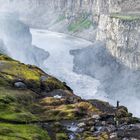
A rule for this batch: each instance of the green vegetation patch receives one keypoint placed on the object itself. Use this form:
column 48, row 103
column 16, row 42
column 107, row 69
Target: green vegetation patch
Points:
column 63, row 111
column 58, row 113
column 11, row 70
column 19, row 70
column 22, row 132
column 53, row 83
column 127, row 17
column 79, row 25
column 15, row 105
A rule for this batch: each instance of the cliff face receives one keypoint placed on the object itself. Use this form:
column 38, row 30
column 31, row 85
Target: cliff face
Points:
column 121, row 34
column 123, row 41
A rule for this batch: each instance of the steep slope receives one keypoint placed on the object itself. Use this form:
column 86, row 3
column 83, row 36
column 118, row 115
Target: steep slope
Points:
column 23, row 92
column 33, row 102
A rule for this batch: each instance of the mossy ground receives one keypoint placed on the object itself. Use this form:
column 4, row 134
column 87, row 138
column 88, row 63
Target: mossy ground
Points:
column 22, row 132
column 52, row 83
column 11, row 70
column 58, row 109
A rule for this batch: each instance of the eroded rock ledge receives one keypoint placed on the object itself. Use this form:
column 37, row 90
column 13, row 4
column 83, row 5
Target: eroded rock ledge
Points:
column 35, row 105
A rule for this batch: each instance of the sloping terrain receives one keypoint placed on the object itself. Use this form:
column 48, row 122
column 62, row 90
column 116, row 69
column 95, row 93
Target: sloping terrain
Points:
column 37, row 106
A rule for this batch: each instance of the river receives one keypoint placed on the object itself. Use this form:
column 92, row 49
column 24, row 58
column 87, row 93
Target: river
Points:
column 60, row 62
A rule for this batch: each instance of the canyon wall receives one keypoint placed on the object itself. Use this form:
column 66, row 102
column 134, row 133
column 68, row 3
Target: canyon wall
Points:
column 123, row 41
column 16, row 41
column 115, row 22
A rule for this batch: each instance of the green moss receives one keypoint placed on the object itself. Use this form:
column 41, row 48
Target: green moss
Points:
column 79, row 25
column 127, row 17
column 23, row 116
column 61, row 136
column 15, row 112
column 56, row 115
column 11, row 70
column 65, row 111
column 22, row 132
column 20, row 96
column 87, row 108
column 15, row 69
column 52, row 83
column 60, row 112
column 122, row 112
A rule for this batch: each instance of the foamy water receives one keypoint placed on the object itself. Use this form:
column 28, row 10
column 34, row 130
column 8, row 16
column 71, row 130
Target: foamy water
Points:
column 60, row 62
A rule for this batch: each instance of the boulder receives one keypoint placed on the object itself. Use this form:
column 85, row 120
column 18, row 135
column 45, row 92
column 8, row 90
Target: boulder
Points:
column 82, row 124
column 20, row 85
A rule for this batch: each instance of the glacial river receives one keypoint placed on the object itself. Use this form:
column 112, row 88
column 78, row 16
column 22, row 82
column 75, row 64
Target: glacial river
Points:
column 60, row 62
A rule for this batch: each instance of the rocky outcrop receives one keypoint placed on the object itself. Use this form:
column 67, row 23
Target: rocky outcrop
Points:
column 123, row 40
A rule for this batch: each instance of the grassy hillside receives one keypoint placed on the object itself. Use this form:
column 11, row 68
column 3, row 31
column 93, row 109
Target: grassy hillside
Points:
column 37, row 106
